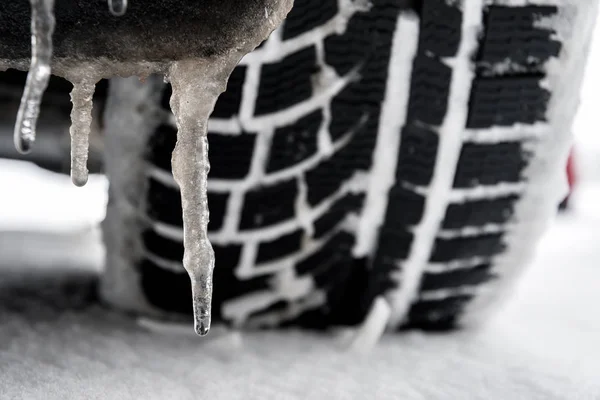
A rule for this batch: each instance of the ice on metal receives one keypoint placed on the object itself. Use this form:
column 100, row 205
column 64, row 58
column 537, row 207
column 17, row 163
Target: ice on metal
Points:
column 42, row 28
column 117, row 8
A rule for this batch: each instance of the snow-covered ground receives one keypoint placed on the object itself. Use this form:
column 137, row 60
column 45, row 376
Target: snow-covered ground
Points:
column 55, row 344
column 543, row 345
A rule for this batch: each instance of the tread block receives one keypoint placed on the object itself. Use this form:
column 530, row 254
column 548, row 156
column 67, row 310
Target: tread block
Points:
column 329, row 175
column 269, row 205
column 230, row 156
column 166, row 290
column 490, row 164
column 507, row 100
column 338, row 211
column 348, row 304
column 457, row 278
column 361, row 148
column 418, row 152
column 362, row 97
column 341, row 277
column 336, row 251
column 307, row 15
column 351, row 49
column 162, row 247
column 287, row 82
column 161, row 146
column 511, row 34
column 295, row 143
column 429, row 91
column 446, row 250
column 228, row 104
column 405, row 208
column 394, row 246
column 440, row 30
column 437, row 314
column 350, row 106
column 164, row 205
column 281, row 247
column 480, row 212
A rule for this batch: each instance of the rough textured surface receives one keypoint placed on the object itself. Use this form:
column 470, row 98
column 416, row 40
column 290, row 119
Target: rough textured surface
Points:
column 150, row 31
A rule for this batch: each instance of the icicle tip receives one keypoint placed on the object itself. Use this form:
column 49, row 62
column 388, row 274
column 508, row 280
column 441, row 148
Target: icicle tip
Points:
column 22, row 144
column 78, row 180
column 202, row 325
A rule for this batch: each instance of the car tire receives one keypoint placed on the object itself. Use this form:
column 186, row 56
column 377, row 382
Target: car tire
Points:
column 406, row 150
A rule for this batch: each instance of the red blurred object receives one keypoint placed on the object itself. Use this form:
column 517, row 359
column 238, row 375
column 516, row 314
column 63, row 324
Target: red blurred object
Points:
column 571, row 178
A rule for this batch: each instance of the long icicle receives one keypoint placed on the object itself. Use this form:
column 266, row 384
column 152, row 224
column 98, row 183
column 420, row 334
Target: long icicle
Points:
column 196, row 87
column 81, row 120
column 42, row 29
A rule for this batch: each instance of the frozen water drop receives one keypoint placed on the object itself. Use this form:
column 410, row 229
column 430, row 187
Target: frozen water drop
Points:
column 81, row 121
column 118, row 8
column 42, row 28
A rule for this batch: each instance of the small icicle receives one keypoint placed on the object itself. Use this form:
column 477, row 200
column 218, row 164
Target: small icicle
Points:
column 196, row 86
column 42, row 28
column 118, row 8
column 81, row 120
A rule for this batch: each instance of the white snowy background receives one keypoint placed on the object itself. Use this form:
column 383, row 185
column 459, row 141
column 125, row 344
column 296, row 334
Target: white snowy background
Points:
column 543, row 344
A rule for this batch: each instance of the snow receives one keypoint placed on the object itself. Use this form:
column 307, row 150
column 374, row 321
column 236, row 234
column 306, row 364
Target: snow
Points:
column 542, row 345
column 65, row 208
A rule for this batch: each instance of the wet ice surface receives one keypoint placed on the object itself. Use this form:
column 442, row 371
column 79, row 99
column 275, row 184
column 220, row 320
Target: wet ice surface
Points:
column 42, row 28
column 56, row 344
column 81, row 122
column 83, row 79
column 196, row 87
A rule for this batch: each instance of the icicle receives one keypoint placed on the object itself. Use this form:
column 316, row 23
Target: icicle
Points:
column 196, row 86
column 81, row 121
column 42, row 28
column 117, row 8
